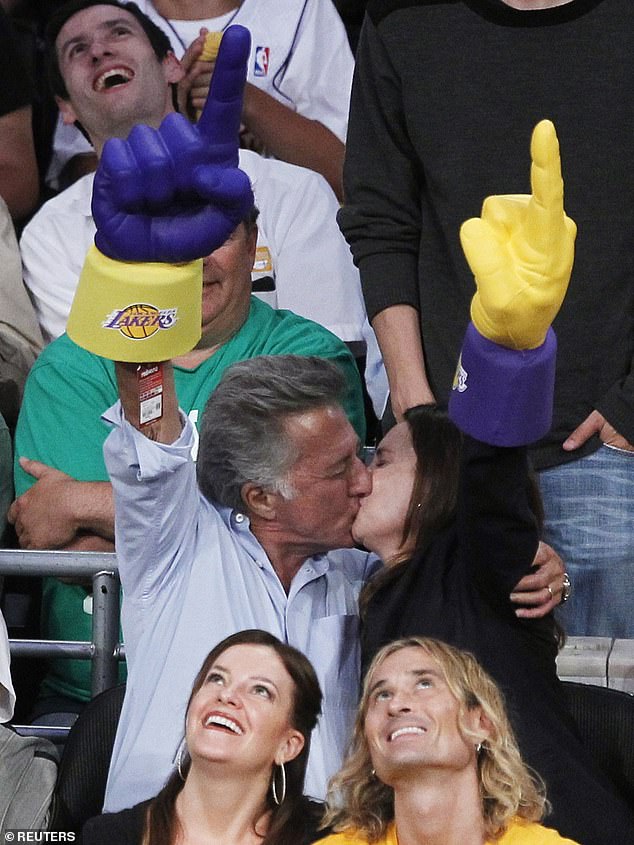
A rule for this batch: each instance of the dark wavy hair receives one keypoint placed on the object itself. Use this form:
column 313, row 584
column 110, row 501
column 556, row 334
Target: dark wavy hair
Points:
column 437, row 443
column 290, row 817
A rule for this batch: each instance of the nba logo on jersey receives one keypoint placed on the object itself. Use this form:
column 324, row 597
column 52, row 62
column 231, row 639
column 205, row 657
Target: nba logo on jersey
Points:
column 261, row 61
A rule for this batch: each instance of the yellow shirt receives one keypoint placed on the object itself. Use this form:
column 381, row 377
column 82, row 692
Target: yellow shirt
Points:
column 518, row 833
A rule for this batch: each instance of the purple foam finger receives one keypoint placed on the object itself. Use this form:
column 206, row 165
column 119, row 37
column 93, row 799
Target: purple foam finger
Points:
column 117, row 182
column 225, row 186
column 125, row 238
column 177, row 194
column 187, row 149
column 188, row 236
column 118, row 196
column 220, row 120
column 155, row 165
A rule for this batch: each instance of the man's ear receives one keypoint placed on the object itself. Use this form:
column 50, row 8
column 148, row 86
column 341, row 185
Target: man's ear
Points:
column 252, row 241
column 172, row 68
column 479, row 723
column 66, row 110
column 258, row 501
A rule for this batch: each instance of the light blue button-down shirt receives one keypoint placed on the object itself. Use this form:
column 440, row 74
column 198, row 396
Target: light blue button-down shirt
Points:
column 192, row 574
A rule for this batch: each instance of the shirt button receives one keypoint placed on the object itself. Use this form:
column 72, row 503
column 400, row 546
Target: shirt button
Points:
column 239, row 518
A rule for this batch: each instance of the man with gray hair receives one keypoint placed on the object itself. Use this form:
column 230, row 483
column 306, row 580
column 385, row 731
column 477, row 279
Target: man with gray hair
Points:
column 246, row 544
column 280, row 481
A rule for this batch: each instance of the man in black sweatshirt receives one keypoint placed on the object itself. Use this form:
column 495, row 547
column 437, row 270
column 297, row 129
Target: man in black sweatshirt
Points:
column 445, row 94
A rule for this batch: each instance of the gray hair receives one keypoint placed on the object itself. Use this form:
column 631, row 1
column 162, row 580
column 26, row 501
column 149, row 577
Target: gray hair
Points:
column 243, row 437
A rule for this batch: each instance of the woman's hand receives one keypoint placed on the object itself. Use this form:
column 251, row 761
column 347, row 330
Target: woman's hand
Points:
column 540, row 592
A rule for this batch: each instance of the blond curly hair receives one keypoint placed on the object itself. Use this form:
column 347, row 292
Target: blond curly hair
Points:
column 358, row 800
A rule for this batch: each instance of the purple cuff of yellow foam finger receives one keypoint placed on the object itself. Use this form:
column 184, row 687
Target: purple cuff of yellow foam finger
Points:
column 503, row 396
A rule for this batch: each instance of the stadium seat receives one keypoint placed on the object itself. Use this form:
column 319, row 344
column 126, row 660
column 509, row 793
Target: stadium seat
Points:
column 605, row 718
column 83, row 771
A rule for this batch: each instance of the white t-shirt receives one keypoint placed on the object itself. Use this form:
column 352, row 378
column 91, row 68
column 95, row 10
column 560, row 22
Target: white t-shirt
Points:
column 299, row 53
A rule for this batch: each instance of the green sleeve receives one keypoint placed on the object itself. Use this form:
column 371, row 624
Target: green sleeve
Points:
column 289, row 334
column 60, row 424
column 60, row 419
column 6, row 475
column 353, row 401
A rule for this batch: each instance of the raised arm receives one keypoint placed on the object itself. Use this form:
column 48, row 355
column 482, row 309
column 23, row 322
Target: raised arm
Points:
column 521, row 252
column 162, row 199
column 168, row 427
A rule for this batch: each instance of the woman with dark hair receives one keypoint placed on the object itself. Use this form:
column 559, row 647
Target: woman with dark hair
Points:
column 239, row 774
column 452, row 511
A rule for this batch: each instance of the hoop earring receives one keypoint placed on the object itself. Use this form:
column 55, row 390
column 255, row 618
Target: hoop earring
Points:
column 182, row 750
column 478, row 747
column 279, row 801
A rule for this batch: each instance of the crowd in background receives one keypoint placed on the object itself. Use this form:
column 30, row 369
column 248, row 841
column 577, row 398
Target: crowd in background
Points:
column 368, row 137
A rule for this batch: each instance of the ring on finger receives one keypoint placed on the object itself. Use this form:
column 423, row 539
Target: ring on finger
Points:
column 550, row 590
column 566, row 589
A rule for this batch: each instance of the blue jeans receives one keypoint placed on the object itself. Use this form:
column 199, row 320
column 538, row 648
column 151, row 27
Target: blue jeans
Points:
column 589, row 520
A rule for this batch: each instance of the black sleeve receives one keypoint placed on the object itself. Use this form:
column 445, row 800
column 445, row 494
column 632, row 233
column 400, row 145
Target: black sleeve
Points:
column 497, row 526
column 381, row 217
column 16, row 91
column 124, row 828
column 617, row 406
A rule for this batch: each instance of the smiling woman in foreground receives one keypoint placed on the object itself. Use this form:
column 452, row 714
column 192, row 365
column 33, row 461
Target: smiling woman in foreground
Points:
column 239, row 775
column 433, row 758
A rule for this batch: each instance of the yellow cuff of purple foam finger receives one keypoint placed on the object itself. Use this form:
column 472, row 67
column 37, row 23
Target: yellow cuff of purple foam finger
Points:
column 134, row 311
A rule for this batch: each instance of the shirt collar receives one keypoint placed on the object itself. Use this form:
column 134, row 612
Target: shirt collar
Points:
column 240, row 525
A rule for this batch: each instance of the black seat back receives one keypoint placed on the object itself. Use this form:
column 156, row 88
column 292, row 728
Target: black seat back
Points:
column 83, row 771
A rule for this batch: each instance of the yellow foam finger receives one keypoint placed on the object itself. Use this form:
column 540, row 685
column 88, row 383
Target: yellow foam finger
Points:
column 210, row 47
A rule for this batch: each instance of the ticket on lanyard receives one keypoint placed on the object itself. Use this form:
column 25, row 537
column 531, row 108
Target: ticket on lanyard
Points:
column 150, row 389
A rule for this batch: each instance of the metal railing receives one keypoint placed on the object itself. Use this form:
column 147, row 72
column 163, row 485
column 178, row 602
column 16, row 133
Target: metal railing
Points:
column 104, row 650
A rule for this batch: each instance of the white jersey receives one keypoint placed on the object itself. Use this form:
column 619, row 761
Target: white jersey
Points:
column 299, row 53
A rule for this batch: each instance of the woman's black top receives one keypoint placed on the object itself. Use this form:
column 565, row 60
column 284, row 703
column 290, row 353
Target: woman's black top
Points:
column 457, row 590
column 126, row 827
